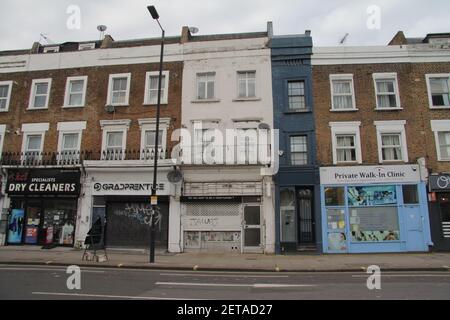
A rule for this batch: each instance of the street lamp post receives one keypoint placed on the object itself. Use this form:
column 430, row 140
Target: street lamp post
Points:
column 155, row 16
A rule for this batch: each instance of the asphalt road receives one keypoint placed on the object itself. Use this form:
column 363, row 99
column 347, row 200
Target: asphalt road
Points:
column 47, row 282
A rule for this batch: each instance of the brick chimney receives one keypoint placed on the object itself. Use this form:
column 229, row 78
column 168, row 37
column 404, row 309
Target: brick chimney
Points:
column 185, row 34
column 398, row 40
column 107, row 42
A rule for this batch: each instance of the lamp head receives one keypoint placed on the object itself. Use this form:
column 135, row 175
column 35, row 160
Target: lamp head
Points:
column 153, row 12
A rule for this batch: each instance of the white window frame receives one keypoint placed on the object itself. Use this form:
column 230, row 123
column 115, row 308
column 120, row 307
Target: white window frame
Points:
column 72, row 127
column 2, row 137
column 150, row 125
column 115, row 126
column 34, row 129
column 346, row 128
column 67, row 93
column 164, row 97
column 86, row 46
column 430, row 98
column 297, row 152
column 33, row 93
column 343, row 77
column 387, row 75
column 110, row 87
column 51, row 49
column 246, row 86
column 392, row 127
column 8, row 95
column 197, row 75
column 439, row 126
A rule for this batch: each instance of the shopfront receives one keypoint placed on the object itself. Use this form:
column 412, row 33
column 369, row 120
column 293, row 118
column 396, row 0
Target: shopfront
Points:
column 120, row 198
column 439, row 204
column 43, row 206
column 368, row 209
column 225, row 222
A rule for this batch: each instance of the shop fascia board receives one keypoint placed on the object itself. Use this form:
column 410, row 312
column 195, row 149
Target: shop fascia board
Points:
column 123, row 165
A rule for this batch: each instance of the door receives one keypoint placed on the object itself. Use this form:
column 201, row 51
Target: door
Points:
column 33, row 222
column 414, row 229
column 306, row 224
column 252, row 228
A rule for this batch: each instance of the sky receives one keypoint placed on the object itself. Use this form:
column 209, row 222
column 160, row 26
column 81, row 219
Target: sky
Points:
column 367, row 22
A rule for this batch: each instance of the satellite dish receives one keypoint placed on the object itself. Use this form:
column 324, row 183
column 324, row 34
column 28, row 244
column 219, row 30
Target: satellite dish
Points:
column 110, row 108
column 263, row 126
column 175, row 176
column 193, row 30
column 101, row 28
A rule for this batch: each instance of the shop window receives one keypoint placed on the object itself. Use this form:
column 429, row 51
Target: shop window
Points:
column 337, row 241
column 371, row 195
column 374, row 224
column 410, row 194
column 334, row 196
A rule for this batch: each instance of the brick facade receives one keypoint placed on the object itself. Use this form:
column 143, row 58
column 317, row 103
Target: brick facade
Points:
column 94, row 109
column 413, row 98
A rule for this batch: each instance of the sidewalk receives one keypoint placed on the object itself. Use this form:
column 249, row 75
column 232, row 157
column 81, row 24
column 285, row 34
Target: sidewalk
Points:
column 229, row 261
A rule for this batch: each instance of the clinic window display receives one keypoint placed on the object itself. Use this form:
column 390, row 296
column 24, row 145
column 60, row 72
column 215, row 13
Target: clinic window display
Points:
column 372, row 215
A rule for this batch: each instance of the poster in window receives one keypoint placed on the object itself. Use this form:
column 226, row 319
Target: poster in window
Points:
column 337, row 241
column 16, row 226
column 371, row 196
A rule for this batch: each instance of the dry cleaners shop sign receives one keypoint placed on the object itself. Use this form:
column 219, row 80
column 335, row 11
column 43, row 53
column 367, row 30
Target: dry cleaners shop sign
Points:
column 370, row 174
column 43, row 182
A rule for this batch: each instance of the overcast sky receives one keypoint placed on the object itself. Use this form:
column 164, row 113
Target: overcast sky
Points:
column 22, row 21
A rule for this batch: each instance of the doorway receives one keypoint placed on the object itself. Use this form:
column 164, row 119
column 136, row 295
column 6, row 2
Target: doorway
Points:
column 251, row 225
column 305, row 217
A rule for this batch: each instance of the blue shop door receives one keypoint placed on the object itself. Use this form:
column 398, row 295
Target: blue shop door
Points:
column 414, row 229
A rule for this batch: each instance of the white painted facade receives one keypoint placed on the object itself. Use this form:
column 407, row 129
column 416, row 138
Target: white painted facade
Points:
column 225, row 59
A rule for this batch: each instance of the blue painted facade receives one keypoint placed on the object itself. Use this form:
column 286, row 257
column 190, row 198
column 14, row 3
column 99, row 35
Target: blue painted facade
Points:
column 291, row 62
column 413, row 223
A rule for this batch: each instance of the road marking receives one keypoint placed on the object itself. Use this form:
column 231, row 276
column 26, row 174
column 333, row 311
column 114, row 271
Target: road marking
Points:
column 48, row 269
column 406, row 275
column 251, row 285
column 219, row 275
column 104, row 296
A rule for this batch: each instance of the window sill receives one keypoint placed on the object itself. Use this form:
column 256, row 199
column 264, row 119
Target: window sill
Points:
column 4, row 110
column 72, row 107
column 344, row 110
column 389, row 162
column 206, row 101
column 154, row 104
column 443, row 160
column 388, row 109
column 297, row 111
column 118, row 105
column 439, row 107
column 33, row 109
column 246, row 99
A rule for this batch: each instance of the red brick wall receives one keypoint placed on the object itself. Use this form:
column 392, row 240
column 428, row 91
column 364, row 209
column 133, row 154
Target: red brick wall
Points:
column 94, row 110
column 413, row 98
